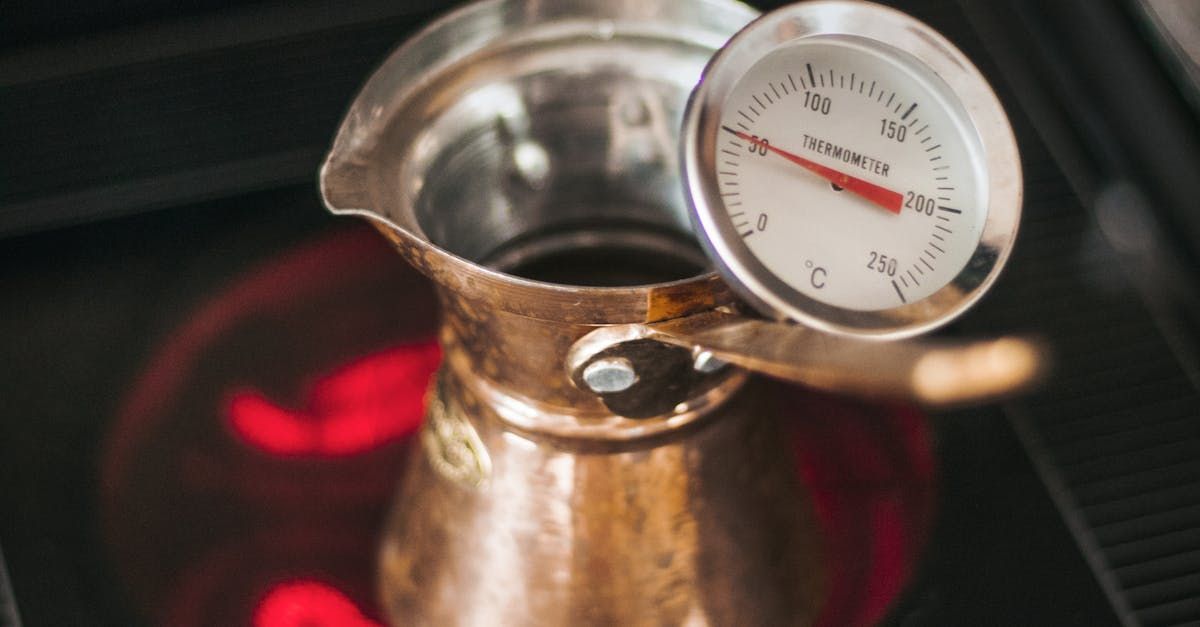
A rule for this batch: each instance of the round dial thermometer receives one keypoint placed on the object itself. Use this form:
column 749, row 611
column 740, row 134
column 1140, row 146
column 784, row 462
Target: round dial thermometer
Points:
column 849, row 169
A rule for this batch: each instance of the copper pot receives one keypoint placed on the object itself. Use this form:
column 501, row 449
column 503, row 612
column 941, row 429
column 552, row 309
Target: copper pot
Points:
column 523, row 156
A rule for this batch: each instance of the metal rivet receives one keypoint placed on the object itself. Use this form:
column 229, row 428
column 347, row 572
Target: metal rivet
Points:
column 708, row 363
column 611, row 374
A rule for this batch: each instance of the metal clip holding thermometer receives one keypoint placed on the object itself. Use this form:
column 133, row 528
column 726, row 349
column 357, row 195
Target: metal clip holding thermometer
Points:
column 848, row 169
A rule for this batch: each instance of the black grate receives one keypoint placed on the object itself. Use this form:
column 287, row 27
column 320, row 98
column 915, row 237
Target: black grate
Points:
column 1117, row 432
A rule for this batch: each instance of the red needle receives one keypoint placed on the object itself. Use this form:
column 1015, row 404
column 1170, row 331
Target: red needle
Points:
column 883, row 197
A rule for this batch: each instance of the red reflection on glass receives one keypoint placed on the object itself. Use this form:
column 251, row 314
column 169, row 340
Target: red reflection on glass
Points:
column 308, row 604
column 358, row 407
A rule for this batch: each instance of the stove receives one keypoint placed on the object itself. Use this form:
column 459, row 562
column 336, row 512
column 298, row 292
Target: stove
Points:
column 210, row 386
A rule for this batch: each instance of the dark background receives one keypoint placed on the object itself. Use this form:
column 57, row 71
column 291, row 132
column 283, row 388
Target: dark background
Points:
column 152, row 151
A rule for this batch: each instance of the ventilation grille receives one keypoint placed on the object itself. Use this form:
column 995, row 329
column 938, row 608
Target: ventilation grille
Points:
column 1117, row 432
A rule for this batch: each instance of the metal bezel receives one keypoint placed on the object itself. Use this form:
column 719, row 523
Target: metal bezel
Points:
column 911, row 38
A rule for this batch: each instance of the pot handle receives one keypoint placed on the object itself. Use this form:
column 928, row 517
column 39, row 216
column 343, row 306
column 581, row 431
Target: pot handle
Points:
column 933, row 372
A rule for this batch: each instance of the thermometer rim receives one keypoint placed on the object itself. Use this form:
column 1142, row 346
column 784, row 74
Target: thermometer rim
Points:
column 909, row 37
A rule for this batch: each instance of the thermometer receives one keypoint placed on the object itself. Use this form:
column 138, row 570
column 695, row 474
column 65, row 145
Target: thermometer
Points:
column 849, row 169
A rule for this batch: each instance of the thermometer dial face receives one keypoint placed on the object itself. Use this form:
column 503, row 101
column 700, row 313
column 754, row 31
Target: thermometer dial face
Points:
column 851, row 170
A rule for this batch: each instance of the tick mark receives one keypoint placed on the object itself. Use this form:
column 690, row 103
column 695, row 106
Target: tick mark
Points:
column 950, row 209
column 898, row 292
column 793, row 82
column 811, row 79
column 909, row 112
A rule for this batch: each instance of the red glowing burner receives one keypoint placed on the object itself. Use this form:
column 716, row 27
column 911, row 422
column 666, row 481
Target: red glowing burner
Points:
column 308, row 604
column 248, row 473
column 359, row 407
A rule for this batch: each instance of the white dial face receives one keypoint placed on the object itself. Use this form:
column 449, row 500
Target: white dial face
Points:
column 850, row 173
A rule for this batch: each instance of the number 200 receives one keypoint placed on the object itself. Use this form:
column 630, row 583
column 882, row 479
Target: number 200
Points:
column 920, row 202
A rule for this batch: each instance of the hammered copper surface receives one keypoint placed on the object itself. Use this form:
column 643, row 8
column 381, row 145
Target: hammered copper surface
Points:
column 532, row 503
column 706, row 525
